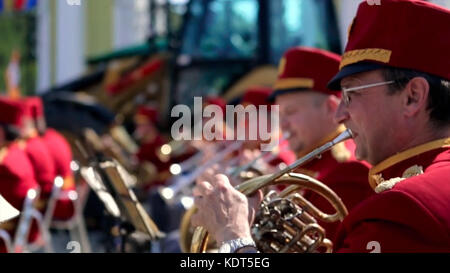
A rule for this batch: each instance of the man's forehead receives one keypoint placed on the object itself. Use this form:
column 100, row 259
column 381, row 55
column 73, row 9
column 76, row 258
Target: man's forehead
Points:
column 303, row 94
column 360, row 77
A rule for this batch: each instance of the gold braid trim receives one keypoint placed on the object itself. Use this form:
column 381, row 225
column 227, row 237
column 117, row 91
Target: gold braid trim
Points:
column 375, row 173
column 288, row 83
column 281, row 66
column 368, row 54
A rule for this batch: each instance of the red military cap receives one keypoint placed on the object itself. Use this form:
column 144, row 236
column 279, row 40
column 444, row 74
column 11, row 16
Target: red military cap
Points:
column 11, row 111
column 147, row 114
column 35, row 106
column 257, row 95
column 216, row 101
column 394, row 34
column 303, row 68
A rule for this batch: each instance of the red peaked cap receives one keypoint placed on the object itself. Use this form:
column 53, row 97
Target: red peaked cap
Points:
column 398, row 33
column 148, row 113
column 257, row 95
column 303, row 68
column 35, row 107
column 11, row 111
column 216, row 101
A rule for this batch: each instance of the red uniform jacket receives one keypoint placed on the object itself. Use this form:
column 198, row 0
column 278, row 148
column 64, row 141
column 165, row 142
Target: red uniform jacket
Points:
column 43, row 166
column 16, row 178
column 341, row 172
column 61, row 155
column 16, row 175
column 411, row 212
column 285, row 156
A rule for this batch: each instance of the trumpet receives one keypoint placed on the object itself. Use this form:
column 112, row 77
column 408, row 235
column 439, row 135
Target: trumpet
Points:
column 286, row 222
column 184, row 182
column 177, row 146
column 272, row 155
column 188, row 164
column 173, row 148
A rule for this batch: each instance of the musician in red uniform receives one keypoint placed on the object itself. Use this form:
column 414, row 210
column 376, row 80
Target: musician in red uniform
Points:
column 61, row 155
column 39, row 155
column 259, row 96
column 396, row 92
column 16, row 171
column 151, row 142
column 307, row 109
column 397, row 97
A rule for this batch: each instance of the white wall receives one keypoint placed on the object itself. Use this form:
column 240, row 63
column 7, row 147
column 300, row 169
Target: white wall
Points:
column 70, row 57
column 131, row 22
column 43, row 46
column 346, row 11
column 444, row 3
column 66, row 61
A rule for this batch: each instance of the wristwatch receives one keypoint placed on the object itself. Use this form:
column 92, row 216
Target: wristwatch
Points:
column 232, row 246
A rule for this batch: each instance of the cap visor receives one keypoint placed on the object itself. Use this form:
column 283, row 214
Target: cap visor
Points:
column 335, row 83
column 280, row 92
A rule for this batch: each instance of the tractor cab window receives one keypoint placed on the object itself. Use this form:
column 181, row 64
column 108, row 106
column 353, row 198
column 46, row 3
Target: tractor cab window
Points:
column 221, row 29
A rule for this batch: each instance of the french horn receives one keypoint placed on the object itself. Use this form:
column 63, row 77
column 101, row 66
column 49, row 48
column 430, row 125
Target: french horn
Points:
column 286, row 222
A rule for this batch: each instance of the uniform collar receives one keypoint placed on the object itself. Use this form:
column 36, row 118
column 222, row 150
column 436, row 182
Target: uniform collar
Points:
column 338, row 153
column 375, row 174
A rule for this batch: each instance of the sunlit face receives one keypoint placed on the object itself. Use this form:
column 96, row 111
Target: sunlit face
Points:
column 303, row 115
column 255, row 126
column 373, row 116
column 28, row 128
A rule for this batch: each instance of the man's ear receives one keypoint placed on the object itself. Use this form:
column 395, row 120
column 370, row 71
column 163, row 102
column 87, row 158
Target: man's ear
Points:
column 415, row 96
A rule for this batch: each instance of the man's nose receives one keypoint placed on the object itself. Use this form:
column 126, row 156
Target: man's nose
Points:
column 342, row 114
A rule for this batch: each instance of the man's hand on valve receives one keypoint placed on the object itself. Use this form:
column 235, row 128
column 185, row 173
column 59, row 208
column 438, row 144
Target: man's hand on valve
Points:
column 225, row 212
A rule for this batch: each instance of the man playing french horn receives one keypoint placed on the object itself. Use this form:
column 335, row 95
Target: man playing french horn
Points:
column 396, row 95
column 307, row 109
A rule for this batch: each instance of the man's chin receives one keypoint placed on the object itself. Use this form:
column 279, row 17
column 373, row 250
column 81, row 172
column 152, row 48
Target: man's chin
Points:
column 360, row 154
column 297, row 148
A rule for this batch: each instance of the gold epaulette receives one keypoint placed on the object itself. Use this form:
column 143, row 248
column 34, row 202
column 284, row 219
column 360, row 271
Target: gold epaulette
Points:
column 375, row 177
column 384, row 185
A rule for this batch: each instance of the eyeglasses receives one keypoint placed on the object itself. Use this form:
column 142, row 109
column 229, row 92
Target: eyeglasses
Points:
column 346, row 99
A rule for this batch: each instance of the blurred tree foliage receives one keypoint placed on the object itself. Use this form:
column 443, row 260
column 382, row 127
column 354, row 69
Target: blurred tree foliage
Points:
column 18, row 31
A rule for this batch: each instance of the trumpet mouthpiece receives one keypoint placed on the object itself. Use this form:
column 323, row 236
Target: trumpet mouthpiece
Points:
column 347, row 134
